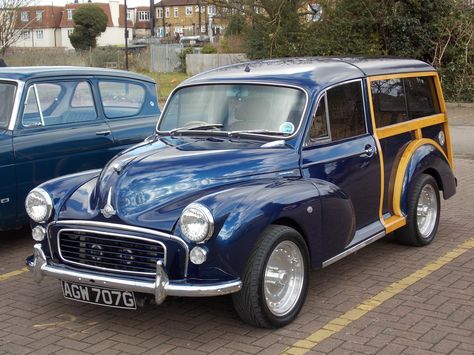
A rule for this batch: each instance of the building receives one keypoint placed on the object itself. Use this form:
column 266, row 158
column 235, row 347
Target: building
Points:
column 186, row 18
column 50, row 26
column 38, row 26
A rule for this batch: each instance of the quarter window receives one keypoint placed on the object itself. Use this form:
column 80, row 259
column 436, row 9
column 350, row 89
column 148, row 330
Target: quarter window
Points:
column 319, row 128
column 7, row 93
column 401, row 100
column 121, row 99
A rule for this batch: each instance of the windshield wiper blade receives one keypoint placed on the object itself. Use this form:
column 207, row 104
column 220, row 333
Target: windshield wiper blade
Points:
column 256, row 132
column 196, row 127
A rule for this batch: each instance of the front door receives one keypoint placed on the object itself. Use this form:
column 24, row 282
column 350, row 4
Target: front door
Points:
column 340, row 151
column 58, row 133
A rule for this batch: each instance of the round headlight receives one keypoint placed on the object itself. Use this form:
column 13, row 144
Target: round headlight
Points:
column 38, row 205
column 197, row 223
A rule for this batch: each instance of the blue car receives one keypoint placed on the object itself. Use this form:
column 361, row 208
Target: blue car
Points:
column 257, row 173
column 60, row 120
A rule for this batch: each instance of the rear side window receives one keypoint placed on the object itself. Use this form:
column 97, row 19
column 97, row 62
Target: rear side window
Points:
column 421, row 97
column 401, row 100
column 346, row 111
column 121, row 99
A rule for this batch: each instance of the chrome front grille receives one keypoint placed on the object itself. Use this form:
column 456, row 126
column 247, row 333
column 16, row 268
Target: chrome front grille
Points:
column 110, row 251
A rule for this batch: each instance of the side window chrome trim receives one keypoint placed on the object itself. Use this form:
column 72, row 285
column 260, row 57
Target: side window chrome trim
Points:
column 38, row 103
column 16, row 104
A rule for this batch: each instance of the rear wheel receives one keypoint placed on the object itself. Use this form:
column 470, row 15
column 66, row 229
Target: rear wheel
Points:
column 275, row 281
column 423, row 213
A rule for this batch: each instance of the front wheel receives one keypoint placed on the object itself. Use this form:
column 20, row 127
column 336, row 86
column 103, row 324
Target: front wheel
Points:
column 423, row 213
column 275, row 280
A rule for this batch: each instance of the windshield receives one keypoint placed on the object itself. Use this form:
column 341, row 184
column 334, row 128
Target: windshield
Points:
column 260, row 109
column 7, row 97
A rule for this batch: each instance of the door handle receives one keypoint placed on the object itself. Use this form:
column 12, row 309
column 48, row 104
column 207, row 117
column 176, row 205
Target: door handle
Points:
column 102, row 133
column 368, row 152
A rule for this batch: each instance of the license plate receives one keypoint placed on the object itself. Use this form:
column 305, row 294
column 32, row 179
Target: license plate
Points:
column 99, row 295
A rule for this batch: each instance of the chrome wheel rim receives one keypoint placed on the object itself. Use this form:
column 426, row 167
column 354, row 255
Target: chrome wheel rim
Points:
column 426, row 211
column 284, row 278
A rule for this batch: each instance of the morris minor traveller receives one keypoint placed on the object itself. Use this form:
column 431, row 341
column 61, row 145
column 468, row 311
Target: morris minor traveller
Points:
column 257, row 173
column 60, row 120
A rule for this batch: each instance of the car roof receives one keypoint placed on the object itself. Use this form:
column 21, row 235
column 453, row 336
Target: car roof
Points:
column 27, row 73
column 309, row 72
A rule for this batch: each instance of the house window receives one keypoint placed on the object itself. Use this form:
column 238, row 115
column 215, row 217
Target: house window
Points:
column 176, row 11
column 25, row 35
column 129, row 15
column 69, row 32
column 159, row 13
column 189, row 10
column 167, row 12
column 203, row 29
column 24, row 16
column 69, row 14
column 211, row 9
column 196, row 8
column 39, row 34
column 39, row 15
column 144, row 16
column 203, row 9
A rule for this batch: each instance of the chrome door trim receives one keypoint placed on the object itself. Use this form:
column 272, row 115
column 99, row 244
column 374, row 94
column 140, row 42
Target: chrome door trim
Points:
column 354, row 248
column 16, row 105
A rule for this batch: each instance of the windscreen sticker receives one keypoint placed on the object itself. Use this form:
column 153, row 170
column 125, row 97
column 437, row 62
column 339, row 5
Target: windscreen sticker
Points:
column 287, row 127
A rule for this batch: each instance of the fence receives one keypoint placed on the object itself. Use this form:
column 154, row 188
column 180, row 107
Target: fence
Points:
column 197, row 63
column 165, row 57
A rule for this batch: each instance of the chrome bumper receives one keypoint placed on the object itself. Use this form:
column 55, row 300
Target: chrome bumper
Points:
column 160, row 288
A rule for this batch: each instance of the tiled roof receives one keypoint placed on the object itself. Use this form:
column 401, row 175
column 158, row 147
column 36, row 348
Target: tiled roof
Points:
column 50, row 19
column 66, row 23
column 178, row 3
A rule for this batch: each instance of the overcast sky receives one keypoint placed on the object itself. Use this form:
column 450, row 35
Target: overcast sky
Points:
column 130, row 3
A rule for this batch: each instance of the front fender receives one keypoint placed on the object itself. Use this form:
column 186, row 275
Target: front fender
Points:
column 428, row 159
column 60, row 189
column 242, row 213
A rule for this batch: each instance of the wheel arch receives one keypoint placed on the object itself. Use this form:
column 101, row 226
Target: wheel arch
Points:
column 289, row 222
column 423, row 156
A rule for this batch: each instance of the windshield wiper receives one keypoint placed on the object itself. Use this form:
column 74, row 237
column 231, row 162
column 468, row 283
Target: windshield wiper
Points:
column 196, row 127
column 256, row 131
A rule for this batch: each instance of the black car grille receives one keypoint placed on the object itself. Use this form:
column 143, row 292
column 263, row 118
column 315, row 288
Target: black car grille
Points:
column 114, row 252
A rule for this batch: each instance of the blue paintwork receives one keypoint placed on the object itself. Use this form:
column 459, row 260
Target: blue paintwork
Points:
column 32, row 155
column 244, row 183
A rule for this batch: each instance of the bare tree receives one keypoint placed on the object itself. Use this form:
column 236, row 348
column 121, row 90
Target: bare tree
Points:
column 9, row 13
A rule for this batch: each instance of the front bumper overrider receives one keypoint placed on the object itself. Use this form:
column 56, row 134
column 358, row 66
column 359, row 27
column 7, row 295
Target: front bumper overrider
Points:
column 160, row 288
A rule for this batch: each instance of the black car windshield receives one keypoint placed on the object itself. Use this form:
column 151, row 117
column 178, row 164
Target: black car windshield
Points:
column 7, row 97
column 251, row 108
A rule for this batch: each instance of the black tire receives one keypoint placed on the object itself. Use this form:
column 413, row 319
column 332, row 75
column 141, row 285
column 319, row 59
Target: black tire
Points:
column 250, row 303
column 410, row 233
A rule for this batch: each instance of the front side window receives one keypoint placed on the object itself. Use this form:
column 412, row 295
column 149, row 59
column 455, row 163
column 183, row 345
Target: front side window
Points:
column 7, row 93
column 342, row 108
column 400, row 100
column 56, row 103
column 121, row 99
column 346, row 110
column 250, row 108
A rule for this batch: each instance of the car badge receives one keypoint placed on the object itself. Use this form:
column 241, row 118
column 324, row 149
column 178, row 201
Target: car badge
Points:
column 108, row 210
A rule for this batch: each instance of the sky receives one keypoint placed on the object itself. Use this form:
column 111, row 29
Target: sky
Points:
column 130, row 3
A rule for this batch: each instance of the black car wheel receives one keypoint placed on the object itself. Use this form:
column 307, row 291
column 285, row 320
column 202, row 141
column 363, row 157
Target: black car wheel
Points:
column 275, row 280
